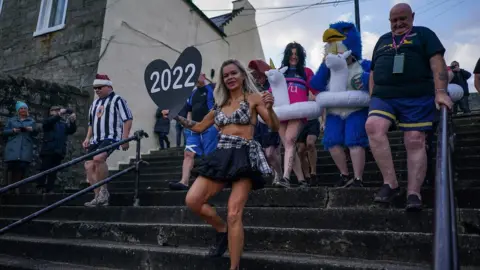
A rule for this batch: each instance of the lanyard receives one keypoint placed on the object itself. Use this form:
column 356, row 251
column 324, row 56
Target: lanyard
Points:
column 394, row 44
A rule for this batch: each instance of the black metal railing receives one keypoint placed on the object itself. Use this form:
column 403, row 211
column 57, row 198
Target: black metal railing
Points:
column 445, row 235
column 138, row 136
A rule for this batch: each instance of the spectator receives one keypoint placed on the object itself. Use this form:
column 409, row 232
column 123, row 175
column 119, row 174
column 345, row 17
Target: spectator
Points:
column 198, row 144
column 108, row 106
column 476, row 71
column 18, row 153
column 54, row 145
column 460, row 77
column 307, row 150
column 179, row 128
column 269, row 140
column 162, row 127
column 408, row 77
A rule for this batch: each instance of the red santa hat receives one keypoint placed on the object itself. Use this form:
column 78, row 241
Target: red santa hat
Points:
column 102, row 79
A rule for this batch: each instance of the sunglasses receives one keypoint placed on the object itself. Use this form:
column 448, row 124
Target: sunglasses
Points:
column 97, row 87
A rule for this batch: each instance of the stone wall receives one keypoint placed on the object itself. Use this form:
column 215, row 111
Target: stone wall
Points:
column 68, row 56
column 474, row 101
column 40, row 96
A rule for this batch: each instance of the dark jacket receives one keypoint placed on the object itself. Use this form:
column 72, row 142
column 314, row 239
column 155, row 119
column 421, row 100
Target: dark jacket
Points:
column 162, row 124
column 460, row 78
column 19, row 146
column 55, row 135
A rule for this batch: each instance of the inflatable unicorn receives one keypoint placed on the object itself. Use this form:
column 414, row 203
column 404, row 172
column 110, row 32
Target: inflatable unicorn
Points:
column 282, row 107
column 339, row 95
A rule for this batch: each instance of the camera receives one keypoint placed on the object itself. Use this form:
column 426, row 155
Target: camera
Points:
column 68, row 111
column 23, row 129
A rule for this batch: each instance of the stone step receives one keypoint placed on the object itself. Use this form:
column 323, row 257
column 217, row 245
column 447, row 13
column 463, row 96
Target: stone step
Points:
column 269, row 197
column 344, row 218
column 398, row 151
column 370, row 175
column 21, row 263
column 136, row 256
column 409, row 247
column 328, row 166
column 162, row 185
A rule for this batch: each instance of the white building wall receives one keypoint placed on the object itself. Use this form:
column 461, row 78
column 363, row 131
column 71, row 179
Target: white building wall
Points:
column 137, row 30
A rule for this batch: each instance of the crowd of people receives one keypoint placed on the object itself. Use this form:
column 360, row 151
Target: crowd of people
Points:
column 406, row 81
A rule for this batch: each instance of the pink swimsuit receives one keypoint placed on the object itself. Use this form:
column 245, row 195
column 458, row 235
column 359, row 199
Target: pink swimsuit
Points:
column 298, row 88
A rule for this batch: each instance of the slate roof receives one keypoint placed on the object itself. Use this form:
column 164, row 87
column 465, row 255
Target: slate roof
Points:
column 204, row 17
column 222, row 20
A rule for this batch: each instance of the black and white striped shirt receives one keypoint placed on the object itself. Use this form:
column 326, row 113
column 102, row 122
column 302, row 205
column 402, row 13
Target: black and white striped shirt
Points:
column 106, row 117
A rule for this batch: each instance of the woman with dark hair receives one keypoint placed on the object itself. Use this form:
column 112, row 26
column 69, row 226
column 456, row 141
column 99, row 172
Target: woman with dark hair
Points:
column 298, row 77
column 238, row 161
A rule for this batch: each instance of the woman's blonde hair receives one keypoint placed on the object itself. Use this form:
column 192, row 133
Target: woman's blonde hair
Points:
column 221, row 93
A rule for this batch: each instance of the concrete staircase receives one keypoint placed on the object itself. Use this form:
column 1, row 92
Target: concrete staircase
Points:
column 315, row 228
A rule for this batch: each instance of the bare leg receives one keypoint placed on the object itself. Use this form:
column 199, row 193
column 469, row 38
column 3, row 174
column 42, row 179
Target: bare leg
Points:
column 312, row 153
column 358, row 161
column 273, row 157
column 203, row 189
column 187, row 167
column 90, row 171
column 340, row 159
column 377, row 128
column 101, row 169
column 302, row 154
column 288, row 134
column 236, row 204
column 416, row 160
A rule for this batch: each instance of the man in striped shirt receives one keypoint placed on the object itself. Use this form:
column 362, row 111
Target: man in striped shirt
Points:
column 109, row 121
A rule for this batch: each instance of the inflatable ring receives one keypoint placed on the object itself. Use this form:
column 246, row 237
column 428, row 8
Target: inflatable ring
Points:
column 455, row 92
column 346, row 99
column 300, row 110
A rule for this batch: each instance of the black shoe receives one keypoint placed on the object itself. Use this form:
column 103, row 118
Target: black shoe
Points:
column 414, row 203
column 343, row 181
column 356, row 182
column 284, row 182
column 177, row 186
column 221, row 245
column 386, row 194
column 303, row 184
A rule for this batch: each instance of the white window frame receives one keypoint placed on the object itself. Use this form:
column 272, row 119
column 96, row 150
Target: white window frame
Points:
column 44, row 17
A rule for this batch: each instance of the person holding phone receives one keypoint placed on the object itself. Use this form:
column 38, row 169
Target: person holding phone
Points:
column 18, row 153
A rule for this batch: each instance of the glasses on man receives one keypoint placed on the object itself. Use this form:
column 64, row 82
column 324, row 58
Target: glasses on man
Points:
column 97, row 87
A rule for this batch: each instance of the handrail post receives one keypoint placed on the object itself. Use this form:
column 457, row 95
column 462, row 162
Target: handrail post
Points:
column 442, row 248
column 136, row 199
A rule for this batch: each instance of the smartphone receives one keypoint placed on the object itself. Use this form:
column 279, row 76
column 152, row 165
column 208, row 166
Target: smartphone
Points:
column 23, row 129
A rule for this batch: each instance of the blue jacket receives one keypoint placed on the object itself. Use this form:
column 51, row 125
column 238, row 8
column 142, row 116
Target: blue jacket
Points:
column 19, row 145
column 55, row 135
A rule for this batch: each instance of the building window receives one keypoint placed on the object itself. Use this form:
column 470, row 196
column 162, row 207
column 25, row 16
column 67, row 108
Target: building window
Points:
column 1, row 5
column 51, row 17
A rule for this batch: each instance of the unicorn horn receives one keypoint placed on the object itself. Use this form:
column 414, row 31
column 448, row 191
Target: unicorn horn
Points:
column 272, row 65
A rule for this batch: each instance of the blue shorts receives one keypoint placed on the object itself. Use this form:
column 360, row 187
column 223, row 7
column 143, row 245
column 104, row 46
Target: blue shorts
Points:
column 349, row 132
column 201, row 143
column 410, row 113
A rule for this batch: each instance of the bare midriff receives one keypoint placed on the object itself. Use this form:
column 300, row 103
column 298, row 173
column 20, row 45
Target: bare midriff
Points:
column 243, row 131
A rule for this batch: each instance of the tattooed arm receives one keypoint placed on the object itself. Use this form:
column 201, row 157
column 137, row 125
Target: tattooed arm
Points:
column 440, row 79
column 198, row 127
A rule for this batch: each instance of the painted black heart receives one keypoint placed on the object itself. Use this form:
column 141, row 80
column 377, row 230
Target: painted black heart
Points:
column 169, row 87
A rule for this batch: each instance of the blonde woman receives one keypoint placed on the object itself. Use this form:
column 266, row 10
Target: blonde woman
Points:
column 238, row 161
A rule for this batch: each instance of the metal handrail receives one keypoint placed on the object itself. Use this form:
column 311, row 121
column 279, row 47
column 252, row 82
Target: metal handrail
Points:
column 138, row 136
column 445, row 237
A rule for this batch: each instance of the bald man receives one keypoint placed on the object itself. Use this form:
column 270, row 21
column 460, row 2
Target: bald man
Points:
column 408, row 78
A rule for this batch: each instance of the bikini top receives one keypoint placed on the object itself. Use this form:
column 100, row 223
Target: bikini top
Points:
column 240, row 116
